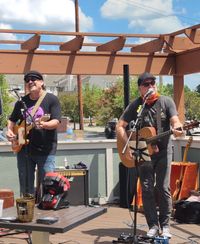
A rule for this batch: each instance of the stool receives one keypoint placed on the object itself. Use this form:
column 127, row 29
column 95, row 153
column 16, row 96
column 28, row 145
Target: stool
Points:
column 8, row 196
column 139, row 196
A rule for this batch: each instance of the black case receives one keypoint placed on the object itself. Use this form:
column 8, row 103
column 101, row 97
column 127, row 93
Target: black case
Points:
column 47, row 220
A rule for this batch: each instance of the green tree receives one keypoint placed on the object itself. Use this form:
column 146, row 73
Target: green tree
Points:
column 166, row 90
column 69, row 105
column 192, row 101
column 106, row 104
column 6, row 101
column 111, row 104
column 91, row 96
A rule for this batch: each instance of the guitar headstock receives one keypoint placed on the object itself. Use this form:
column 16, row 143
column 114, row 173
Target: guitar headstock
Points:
column 191, row 125
column 189, row 141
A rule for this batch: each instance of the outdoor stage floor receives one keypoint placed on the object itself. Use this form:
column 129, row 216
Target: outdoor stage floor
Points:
column 108, row 227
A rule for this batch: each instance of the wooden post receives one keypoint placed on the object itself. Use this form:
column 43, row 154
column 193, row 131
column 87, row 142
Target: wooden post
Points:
column 79, row 81
column 179, row 96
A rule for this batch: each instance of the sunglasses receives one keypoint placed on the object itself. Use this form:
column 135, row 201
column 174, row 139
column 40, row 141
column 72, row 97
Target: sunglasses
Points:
column 146, row 84
column 30, row 78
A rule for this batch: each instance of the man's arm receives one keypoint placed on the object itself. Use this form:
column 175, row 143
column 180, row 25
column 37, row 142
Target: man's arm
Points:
column 48, row 125
column 175, row 123
column 122, row 138
column 121, row 130
column 10, row 133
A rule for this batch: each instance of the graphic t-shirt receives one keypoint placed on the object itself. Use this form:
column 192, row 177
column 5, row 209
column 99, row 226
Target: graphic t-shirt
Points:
column 149, row 117
column 41, row 141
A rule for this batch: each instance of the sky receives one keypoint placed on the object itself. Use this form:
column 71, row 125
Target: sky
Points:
column 102, row 16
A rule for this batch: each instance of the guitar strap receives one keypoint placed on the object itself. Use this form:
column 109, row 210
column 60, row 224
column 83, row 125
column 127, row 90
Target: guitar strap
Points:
column 39, row 101
column 158, row 116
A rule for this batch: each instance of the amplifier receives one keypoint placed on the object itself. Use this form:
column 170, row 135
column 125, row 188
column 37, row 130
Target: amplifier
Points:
column 78, row 194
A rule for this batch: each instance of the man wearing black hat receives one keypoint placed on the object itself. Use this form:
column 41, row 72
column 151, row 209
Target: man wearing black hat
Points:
column 158, row 113
column 32, row 130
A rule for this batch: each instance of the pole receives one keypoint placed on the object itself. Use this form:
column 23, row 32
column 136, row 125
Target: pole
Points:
column 79, row 82
column 126, row 85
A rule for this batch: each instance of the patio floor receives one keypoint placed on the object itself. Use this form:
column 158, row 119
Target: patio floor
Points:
column 108, row 227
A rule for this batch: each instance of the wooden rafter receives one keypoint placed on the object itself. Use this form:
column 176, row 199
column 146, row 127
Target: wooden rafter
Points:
column 193, row 35
column 112, row 46
column 182, row 31
column 180, row 53
column 178, row 43
column 110, row 55
column 32, row 43
column 73, row 45
column 187, row 62
column 84, row 63
column 149, row 47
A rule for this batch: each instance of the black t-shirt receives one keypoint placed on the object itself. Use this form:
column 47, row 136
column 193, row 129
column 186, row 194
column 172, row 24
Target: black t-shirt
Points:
column 41, row 141
column 164, row 105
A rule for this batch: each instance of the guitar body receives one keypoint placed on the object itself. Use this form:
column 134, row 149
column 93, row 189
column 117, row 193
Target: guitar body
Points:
column 179, row 181
column 148, row 135
column 19, row 131
column 146, row 132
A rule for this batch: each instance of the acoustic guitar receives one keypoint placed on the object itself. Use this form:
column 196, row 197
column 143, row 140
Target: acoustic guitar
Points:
column 20, row 131
column 148, row 137
column 179, row 181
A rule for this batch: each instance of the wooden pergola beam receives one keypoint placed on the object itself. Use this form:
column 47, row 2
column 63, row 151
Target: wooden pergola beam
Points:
column 112, row 46
column 193, row 35
column 73, row 45
column 32, row 43
column 149, row 47
column 62, row 33
column 188, row 62
column 84, row 63
column 182, row 31
column 179, row 56
column 177, row 43
column 179, row 96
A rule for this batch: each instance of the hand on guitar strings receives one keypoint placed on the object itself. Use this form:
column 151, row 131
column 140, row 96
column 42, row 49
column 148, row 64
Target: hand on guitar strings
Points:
column 178, row 132
column 39, row 124
column 10, row 135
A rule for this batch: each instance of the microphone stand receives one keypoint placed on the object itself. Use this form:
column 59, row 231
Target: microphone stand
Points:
column 24, row 112
column 137, row 153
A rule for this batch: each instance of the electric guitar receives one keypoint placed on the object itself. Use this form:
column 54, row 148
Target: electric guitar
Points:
column 179, row 181
column 148, row 136
column 20, row 131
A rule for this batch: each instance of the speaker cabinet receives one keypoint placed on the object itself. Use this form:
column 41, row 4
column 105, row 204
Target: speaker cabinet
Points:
column 78, row 193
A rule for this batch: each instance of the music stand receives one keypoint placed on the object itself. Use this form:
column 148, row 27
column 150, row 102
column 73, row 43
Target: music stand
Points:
column 140, row 153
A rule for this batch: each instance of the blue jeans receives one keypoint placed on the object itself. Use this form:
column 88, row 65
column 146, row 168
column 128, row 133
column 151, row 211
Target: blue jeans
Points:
column 26, row 164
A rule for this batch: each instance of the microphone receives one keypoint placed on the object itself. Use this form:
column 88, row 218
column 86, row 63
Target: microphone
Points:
column 148, row 93
column 14, row 89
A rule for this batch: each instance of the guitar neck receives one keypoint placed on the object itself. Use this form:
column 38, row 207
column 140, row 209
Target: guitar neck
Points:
column 169, row 132
column 155, row 138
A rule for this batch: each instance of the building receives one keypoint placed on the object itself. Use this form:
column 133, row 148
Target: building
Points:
column 57, row 83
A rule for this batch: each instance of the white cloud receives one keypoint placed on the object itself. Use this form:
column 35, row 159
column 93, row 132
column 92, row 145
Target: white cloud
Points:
column 6, row 36
column 43, row 14
column 158, row 25
column 155, row 16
